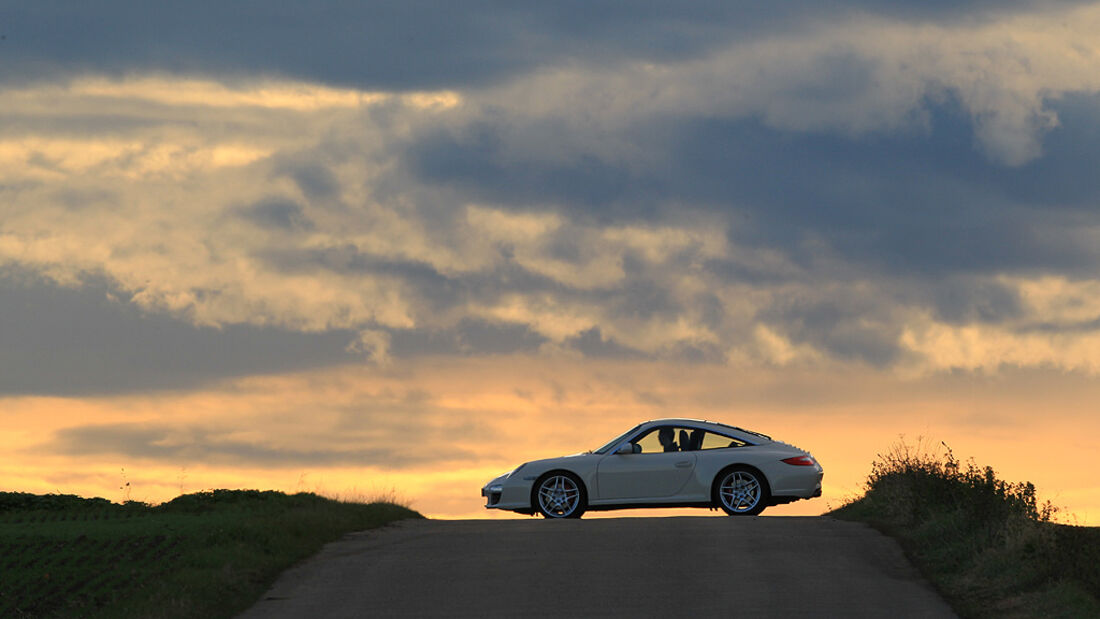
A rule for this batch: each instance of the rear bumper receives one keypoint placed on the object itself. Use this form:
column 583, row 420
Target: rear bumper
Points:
column 784, row 499
column 802, row 482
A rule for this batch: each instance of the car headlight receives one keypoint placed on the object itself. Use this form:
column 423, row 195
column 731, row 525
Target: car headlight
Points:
column 496, row 488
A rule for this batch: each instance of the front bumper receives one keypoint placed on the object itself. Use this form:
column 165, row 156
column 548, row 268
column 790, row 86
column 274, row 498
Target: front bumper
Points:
column 507, row 492
column 492, row 493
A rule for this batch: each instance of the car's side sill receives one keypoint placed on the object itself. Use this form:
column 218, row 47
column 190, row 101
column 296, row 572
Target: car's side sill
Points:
column 611, row 506
column 773, row 501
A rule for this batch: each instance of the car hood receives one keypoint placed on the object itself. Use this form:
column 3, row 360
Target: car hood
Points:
column 539, row 466
column 551, row 461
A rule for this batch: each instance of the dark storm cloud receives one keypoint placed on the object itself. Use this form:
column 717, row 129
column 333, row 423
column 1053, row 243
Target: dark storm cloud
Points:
column 277, row 213
column 315, row 181
column 349, row 259
column 470, row 337
column 1065, row 176
column 963, row 300
column 62, row 341
column 390, row 45
column 849, row 331
column 59, row 341
column 1078, row 328
column 592, row 343
column 400, row 45
column 474, row 159
column 922, row 201
column 881, row 200
column 641, row 297
column 477, row 336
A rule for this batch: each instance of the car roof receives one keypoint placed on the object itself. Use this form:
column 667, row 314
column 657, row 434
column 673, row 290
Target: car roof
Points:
column 704, row 423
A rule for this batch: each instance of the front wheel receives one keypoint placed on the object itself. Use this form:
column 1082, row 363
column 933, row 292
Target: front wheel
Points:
column 559, row 495
column 741, row 492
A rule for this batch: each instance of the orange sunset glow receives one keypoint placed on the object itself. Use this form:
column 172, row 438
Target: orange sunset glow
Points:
column 448, row 426
column 400, row 266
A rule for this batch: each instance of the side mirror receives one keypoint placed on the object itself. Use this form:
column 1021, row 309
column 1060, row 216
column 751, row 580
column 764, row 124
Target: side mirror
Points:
column 628, row 448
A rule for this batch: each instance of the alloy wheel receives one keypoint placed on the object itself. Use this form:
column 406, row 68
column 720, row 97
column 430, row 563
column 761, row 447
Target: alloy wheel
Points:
column 740, row 492
column 559, row 496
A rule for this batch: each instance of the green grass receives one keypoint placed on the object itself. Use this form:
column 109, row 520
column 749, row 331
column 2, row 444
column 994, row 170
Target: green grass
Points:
column 208, row 554
column 988, row 545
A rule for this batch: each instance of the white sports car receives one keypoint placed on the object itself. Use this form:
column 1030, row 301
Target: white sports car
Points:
column 663, row 463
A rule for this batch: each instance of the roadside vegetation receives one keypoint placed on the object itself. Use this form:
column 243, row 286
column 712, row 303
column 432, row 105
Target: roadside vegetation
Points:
column 989, row 546
column 207, row 554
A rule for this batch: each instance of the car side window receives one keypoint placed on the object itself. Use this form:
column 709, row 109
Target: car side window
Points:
column 719, row 441
column 650, row 443
column 663, row 439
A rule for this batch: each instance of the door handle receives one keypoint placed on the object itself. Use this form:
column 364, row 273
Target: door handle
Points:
column 684, row 464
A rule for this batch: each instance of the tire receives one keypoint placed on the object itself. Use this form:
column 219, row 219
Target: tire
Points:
column 559, row 494
column 741, row 491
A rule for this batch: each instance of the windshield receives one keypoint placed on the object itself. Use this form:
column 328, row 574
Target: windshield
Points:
column 618, row 439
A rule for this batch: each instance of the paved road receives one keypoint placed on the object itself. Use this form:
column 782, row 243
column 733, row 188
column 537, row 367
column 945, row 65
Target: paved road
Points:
column 621, row 567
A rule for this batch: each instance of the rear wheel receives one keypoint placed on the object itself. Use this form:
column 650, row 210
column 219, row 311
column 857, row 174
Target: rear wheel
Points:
column 741, row 491
column 559, row 495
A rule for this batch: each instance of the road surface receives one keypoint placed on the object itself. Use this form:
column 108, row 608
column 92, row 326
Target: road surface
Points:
column 614, row 567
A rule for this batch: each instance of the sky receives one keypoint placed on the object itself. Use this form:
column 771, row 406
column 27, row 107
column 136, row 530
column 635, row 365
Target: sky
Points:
column 394, row 249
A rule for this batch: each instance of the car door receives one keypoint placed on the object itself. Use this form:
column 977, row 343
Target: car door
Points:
column 652, row 474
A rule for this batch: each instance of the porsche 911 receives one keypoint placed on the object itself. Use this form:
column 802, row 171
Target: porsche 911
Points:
column 663, row 463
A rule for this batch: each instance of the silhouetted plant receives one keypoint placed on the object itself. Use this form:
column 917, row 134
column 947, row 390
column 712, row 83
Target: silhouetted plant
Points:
column 989, row 544
column 916, row 482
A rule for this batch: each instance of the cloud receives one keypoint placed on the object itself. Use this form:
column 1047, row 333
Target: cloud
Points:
column 91, row 341
column 158, row 442
column 277, row 213
column 817, row 191
column 372, row 344
column 377, row 418
column 865, row 75
column 423, row 44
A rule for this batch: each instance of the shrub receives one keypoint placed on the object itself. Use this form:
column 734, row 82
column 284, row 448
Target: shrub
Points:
column 989, row 545
column 914, row 483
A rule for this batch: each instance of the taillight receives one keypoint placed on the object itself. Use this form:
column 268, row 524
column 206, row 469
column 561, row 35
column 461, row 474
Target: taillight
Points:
column 800, row 460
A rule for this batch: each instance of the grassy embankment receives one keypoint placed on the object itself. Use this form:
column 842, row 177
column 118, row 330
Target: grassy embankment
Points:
column 208, row 554
column 988, row 545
